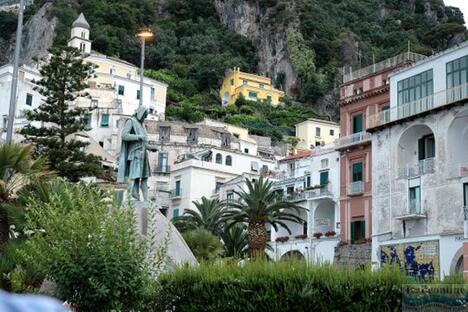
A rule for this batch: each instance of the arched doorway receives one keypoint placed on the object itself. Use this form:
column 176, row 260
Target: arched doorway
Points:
column 292, row 255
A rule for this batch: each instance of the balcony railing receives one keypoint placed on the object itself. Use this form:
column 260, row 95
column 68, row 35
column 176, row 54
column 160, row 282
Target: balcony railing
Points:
column 424, row 166
column 421, row 105
column 459, row 170
column 163, row 169
column 308, row 194
column 355, row 138
column 175, row 193
column 355, row 188
column 390, row 62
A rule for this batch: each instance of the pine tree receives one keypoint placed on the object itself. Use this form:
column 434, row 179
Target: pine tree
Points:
column 63, row 81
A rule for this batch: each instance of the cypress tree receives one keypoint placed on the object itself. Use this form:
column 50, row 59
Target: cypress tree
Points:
column 63, row 81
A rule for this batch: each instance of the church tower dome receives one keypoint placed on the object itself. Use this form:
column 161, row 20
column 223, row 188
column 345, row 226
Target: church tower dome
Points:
column 79, row 37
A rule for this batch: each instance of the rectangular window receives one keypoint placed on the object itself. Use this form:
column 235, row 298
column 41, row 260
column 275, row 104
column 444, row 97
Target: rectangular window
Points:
column 317, row 131
column 29, row 99
column 415, row 199
column 175, row 213
column 317, row 143
column 357, row 123
column 87, row 121
column 426, row 147
column 332, row 132
column 121, row 90
column 232, row 82
column 105, row 120
column 94, row 103
column 254, row 166
column 230, row 195
column 357, row 172
column 323, row 178
column 153, row 93
column 465, row 194
column 138, row 95
column 308, row 181
column 164, row 134
column 218, row 185
column 358, row 231
column 269, row 99
column 457, row 72
column 415, row 87
column 324, row 163
column 245, row 82
column 252, row 95
column 177, row 188
column 290, row 190
column 162, row 162
column 246, row 150
column 261, row 85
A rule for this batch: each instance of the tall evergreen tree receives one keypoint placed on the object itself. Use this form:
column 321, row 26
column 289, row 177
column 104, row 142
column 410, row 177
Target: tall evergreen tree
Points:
column 63, row 81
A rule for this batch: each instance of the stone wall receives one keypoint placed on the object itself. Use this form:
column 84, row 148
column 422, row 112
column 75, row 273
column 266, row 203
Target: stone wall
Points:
column 354, row 255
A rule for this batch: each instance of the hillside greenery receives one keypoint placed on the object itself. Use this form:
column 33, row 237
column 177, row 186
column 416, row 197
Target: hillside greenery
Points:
column 193, row 49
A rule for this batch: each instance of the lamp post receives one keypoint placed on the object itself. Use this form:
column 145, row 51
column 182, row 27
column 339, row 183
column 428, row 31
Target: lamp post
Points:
column 14, row 81
column 145, row 34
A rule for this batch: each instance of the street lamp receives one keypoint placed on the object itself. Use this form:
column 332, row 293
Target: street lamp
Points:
column 14, row 80
column 145, row 34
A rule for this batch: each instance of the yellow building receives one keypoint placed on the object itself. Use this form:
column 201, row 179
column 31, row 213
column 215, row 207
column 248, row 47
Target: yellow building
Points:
column 316, row 132
column 252, row 87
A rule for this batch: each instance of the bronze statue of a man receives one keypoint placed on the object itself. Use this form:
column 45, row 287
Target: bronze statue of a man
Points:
column 133, row 159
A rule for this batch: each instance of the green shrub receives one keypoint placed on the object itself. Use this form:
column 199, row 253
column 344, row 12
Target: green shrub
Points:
column 289, row 286
column 88, row 245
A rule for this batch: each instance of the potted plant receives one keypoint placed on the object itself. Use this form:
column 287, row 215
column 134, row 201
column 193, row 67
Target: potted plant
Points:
column 317, row 235
column 282, row 239
column 330, row 233
column 302, row 236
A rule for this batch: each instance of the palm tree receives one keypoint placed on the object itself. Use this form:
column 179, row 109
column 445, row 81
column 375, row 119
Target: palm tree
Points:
column 257, row 206
column 209, row 215
column 204, row 244
column 17, row 170
column 235, row 241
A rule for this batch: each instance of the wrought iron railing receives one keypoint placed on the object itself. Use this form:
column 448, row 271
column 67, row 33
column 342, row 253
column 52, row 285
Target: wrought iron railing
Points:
column 308, row 194
column 422, row 167
column 427, row 103
column 352, row 139
column 355, row 188
column 163, row 169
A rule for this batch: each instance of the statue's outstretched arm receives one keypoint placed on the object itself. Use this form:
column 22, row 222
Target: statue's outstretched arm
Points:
column 126, row 133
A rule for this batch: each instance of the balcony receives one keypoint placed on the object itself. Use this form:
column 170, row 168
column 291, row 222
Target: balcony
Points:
column 424, row 166
column 459, row 170
column 353, row 139
column 308, row 194
column 436, row 100
column 175, row 194
column 355, row 188
column 164, row 169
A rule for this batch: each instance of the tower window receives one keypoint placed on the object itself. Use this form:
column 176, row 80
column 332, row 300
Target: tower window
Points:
column 83, row 35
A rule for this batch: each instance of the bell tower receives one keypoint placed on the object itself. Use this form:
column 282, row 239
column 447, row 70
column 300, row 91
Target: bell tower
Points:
column 80, row 35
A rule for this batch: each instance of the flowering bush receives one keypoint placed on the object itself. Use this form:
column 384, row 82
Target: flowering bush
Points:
column 330, row 233
column 282, row 239
column 317, row 235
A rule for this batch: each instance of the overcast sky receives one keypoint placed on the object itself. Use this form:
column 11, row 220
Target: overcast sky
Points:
column 462, row 4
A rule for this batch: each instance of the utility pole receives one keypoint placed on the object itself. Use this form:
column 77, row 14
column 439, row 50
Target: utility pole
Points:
column 14, row 81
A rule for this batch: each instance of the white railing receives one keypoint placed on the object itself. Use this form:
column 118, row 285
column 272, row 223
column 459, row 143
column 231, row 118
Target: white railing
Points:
column 352, row 139
column 424, row 104
column 355, row 188
column 176, row 193
column 459, row 170
column 422, row 167
column 308, row 194
column 390, row 62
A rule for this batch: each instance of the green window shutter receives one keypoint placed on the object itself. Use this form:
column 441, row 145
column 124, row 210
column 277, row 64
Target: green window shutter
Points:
column 357, row 123
column 353, row 232
column 177, row 188
column 357, row 172
column 363, row 229
column 430, row 147
column 421, row 149
column 323, row 177
column 105, row 120
column 175, row 213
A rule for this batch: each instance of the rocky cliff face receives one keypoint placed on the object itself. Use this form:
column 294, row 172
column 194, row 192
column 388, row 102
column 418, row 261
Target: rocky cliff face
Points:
column 248, row 18
column 38, row 37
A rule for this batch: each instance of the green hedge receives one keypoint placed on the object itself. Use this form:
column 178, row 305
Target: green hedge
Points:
column 278, row 287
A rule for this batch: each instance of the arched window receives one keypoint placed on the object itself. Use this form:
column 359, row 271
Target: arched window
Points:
column 228, row 160
column 219, row 158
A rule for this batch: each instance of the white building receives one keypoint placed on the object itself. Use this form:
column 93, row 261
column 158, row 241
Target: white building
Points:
column 311, row 180
column 114, row 91
column 420, row 167
column 203, row 174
